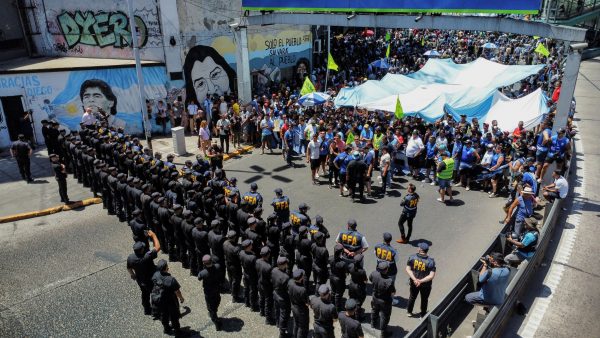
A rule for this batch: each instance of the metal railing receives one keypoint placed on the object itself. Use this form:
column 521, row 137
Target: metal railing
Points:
column 567, row 9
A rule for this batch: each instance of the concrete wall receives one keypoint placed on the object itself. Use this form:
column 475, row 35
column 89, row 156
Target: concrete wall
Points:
column 98, row 28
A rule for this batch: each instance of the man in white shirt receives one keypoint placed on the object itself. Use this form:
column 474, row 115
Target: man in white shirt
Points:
column 192, row 111
column 222, row 106
column 385, row 165
column 559, row 189
column 312, row 156
column 414, row 148
column 223, row 125
column 88, row 117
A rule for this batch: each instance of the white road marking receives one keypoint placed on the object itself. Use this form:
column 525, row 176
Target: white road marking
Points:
column 562, row 256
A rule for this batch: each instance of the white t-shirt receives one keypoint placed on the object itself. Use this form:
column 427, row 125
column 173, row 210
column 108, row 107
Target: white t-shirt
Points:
column 314, row 149
column 225, row 126
column 413, row 146
column 192, row 109
column 385, row 159
column 562, row 186
column 223, row 108
column 487, row 158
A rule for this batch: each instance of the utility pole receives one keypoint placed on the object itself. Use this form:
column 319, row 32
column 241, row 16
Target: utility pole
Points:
column 327, row 62
column 140, row 76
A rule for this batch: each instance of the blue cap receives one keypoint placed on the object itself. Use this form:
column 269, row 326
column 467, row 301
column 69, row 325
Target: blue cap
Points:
column 424, row 246
column 298, row 273
column 253, row 186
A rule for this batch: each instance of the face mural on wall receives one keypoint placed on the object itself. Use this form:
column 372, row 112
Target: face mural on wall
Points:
column 207, row 73
column 97, row 95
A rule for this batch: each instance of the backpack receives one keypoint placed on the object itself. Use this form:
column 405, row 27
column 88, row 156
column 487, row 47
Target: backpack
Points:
column 157, row 296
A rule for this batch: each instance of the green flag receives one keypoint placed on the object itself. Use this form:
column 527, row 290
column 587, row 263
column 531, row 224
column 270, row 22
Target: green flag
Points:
column 307, row 87
column 541, row 49
column 388, row 36
column 535, row 37
column 350, row 138
column 422, row 42
column 331, row 63
column 387, row 53
column 399, row 112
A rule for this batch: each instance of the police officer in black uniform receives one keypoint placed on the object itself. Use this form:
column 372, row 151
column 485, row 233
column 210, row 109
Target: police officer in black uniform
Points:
column 273, row 234
column 119, row 200
column 337, row 276
column 216, row 241
column 318, row 227
column 354, row 242
column 409, row 211
column 383, row 293
column 252, row 234
column 287, row 245
column 281, row 296
column 304, row 255
column 169, row 305
column 140, row 265
column 384, row 252
column 357, row 286
column 231, row 251
column 281, row 206
column 211, row 281
column 299, row 299
column 324, row 313
column 248, row 260
column 351, row 327
column 187, row 227
column 21, row 151
column 253, row 197
column 60, row 174
column 265, row 285
column 320, row 256
column 421, row 270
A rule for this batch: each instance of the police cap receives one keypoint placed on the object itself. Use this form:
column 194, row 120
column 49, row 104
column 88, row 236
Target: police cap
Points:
column 177, row 206
column 215, row 223
column 424, row 246
column 278, row 191
column 303, row 206
column 286, row 225
column 303, row 229
column 319, row 219
column 137, row 246
column 352, row 223
column 136, row 180
column 319, row 236
column 231, row 234
column 136, row 212
column 251, row 220
column 120, row 175
column 206, row 259
column 387, row 236
column 298, row 273
column 253, row 186
column 324, row 290
column 233, row 180
column 338, row 247
column 351, row 305
column 197, row 220
column 130, row 179
column 282, row 260
column 265, row 251
column 160, row 199
column 383, row 265
column 246, row 243
column 155, row 194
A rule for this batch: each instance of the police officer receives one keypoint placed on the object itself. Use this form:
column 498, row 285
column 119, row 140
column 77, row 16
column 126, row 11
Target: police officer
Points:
column 318, row 227
column 163, row 216
column 211, row 281
column 320, row 256
column 409, row 211
column 324, row 313
column 304, row 255
column 357, row 286
column 139, row 229
column 337, row 276
column 299, row 298
column 287, row 245
column 231, row 251
column 174, row 221
column 200, row 239
column 352, row 241
column 248, row 260
column 21, row 151
column 273, row 235
column 383, row 293
column 215, row 241
column 140, row 265
column 187, row 227
column 351, row 327
column 60, row 174
column 252, row 235
column 253, row 197
column 169, row 304
column 421, row 270
column 281, row 206
column 384, row 252
column 265, row 285
column 280, row 279
column 119, row 205
column 300, row 218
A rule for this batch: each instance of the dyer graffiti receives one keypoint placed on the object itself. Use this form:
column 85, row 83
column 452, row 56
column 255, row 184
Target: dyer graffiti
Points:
column 100, row 29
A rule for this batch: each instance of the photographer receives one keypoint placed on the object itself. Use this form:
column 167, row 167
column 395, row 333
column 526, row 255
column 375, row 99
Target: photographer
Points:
column 223, row 126
column 493, row 279
column 525, row 246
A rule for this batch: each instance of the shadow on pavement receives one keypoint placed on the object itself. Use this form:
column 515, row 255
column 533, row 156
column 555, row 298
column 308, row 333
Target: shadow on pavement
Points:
column 232, row 324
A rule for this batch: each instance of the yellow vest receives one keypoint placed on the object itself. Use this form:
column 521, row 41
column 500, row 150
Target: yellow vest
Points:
column 446, row 174
column 377, row 141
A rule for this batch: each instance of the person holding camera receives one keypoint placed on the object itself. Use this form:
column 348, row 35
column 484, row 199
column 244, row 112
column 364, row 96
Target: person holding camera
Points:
column 493, row 278
column 525, row 245
column 224, row 125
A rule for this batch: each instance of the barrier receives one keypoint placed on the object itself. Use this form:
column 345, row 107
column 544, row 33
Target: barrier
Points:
column 450, row 312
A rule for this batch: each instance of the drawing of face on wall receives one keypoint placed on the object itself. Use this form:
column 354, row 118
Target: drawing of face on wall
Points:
column 302, row 68
column 206, row 73
column 97, row 95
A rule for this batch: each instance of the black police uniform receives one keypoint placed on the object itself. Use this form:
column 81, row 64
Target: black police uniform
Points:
column 211, row 281
column 216, row 241
column 381, row 303
column 409, row 211
column 421, row 266
column 351, row 240
column 273, row 234
column 200, row 237
column 143, row 265
column 234, row 267
column 357, row 285
column 281, row 296
column 304, row 258
column 61, row 178
column 163, row 216
column 186, row 231
column 386, row 253
column 320, row 256
column 21, row 150
column 337, row 279
column 351, row 327
column 248, row 260
column 112, row 188
column 265, row 289
column 169, row 306
column 299, row 299
column 281, row 206
column 324, row 315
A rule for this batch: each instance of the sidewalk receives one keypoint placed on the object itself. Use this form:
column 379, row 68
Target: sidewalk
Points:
column 19, row 197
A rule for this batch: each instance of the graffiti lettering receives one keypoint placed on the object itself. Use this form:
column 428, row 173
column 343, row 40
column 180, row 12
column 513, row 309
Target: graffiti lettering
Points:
column 100, row 29
column 62, row 47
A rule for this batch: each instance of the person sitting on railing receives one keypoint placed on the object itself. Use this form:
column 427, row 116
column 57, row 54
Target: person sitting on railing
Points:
column 493, row 278
column 559, row 189
column 525, row 246
column 522, row 207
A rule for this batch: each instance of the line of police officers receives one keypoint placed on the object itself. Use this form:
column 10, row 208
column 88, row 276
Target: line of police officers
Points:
column 199, row 218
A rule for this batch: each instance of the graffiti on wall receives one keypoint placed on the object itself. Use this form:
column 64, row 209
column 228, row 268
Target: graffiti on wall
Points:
column 100, row 29
column 206, row 74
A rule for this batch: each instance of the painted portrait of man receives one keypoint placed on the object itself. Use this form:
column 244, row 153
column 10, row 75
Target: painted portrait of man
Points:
column 97, row 95
column 207, row 73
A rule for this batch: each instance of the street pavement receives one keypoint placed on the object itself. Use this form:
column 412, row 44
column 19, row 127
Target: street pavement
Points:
column 64, row 274
column 563, row 298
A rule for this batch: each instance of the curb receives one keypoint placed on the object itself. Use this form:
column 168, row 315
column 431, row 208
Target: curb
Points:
column 51, row 210
column 90, row 201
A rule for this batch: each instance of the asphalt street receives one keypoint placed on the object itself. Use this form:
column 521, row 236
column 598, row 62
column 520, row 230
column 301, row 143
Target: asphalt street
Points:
column 64, row 274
